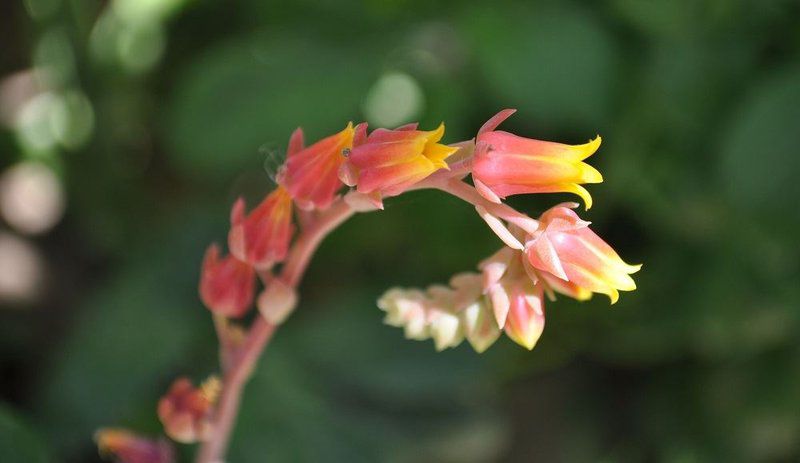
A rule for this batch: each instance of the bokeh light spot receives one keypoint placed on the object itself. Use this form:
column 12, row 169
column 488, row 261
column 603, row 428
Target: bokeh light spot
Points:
column 31, row 197
column 394, row 99
column 21, row 270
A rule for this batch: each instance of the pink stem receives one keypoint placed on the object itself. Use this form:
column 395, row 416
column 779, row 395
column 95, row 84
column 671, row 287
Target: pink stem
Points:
column 469, row 194
column 213, row 450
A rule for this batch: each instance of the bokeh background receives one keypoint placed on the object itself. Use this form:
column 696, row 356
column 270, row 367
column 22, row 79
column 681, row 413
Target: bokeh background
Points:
column 130, row 126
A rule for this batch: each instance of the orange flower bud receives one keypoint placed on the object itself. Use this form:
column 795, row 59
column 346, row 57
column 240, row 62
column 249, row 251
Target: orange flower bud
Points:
column 227, row 285
column 262, row 237
column 185, row 411
column 127, row 447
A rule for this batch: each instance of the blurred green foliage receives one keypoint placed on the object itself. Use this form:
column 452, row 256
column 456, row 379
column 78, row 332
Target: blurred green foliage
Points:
column 698, row 102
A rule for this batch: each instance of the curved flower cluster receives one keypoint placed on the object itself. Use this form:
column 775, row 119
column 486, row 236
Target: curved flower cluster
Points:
column 354, row 170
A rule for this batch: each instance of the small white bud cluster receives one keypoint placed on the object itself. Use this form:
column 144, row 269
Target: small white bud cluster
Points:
column 446, row 314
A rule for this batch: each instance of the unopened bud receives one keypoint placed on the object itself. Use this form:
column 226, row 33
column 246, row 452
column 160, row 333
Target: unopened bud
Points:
column 226, row 284
column 185, row 411
column 480, row 326
column 277, row 302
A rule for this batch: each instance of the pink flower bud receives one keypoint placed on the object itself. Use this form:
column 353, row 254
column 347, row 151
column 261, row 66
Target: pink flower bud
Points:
column 506, row 164
column 391, row 161
column 226, row 284
column 127, row 447
column 311, row 175
column 185, row 411
column 569, row 251
column 262, row 237
column 525, row 321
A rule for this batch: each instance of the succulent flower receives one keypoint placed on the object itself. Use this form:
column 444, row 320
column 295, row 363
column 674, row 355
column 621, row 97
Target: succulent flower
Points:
column 388, row 162
column 311, row 174
column 506, row 164
column 567, row 249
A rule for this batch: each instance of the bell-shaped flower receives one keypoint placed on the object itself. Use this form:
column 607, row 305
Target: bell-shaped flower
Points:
column 525, row 321
column 227, row 285
column 389, row 162
column 262, row 237
column 566, row 248
column 127, row 447
column 506, row 164
column 311, row 174
column 186, row 411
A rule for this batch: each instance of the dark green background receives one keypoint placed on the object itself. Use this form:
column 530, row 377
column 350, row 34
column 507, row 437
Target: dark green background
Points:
column 698, row 103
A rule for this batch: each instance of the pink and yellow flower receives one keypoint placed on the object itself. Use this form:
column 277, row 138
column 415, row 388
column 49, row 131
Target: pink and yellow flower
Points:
column 262, row 238
column 388, row 162
column 185, row 411
column 227, row 285
column 577, row 260
column 311, row 174
column 506, row 164
column 127, row 447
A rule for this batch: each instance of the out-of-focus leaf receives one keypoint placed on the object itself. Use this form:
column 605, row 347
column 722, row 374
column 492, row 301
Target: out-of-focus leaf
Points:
column 757, row 171
column 556, row 64
column 252, row 92
column 142, row 326
column 18, row 442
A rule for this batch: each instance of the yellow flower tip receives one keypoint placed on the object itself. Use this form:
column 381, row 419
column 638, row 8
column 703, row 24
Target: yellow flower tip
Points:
column 589, row 174
column 613, row 295
column 211, row 388
column 583, row 295
column 582, row 192
column 438, row 152
column 520, row 339
column 347, row 135
column 587, row 149
column 435, row 135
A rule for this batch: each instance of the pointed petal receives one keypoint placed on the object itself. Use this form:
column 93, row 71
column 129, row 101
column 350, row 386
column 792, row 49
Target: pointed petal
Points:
column 296, row 142
column 495, row 120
